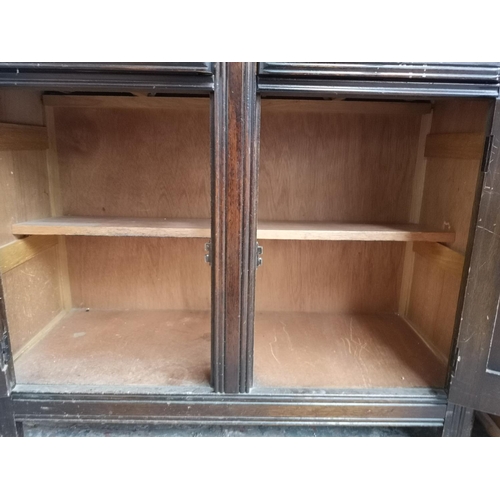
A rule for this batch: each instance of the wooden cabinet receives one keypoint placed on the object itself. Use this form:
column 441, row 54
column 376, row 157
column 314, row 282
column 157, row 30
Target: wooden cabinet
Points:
column 141, row 201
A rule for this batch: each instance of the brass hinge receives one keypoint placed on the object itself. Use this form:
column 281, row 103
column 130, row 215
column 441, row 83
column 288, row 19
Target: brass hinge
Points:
column 208, row 255
column 456, row 360
column 485, row 164
column 5, row 352
column 259, row 253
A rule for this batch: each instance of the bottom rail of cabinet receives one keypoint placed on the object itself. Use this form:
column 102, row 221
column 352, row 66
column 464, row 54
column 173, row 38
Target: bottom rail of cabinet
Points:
column 408, row 408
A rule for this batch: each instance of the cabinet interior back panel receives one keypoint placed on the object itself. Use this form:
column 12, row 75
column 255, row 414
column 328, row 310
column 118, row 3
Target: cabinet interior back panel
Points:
column 135, row 162
column 326, row 276
column 138, row 273
column 345, row 167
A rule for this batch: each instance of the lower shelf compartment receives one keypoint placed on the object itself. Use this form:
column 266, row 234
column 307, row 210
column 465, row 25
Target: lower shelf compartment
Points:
column 322, row 350
column 121, row 348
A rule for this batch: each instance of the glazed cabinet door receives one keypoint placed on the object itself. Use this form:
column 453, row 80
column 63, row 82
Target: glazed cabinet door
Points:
column 475, row 382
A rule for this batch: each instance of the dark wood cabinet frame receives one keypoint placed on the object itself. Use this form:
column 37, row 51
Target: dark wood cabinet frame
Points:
column 235, row 90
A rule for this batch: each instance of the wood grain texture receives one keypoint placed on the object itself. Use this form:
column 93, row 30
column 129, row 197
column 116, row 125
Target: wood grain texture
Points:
column 23, row 107
column 134, row 162
column 32, row 296
column 449, row 194
column 24, row 189
column 416, row 205
column 459, row 146
column 476, row 382
column 200, row 228
column 322, row 166
column 147, row 348
column 236, row 124
column 433, row 302
column 334, row 231
column 16, row 253
column 341, row 351
column 138, row 273
column 444, row 257
column 323, row 276
column 22, row 137
column 117, row 226
column 56, row 207
column 345, row 107
column 128, row 102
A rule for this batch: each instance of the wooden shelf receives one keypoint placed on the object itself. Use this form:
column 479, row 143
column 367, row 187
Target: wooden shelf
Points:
column 121, row 348
column 116, row 226
column 350, row 232
column 324, row 350
column 200, row 228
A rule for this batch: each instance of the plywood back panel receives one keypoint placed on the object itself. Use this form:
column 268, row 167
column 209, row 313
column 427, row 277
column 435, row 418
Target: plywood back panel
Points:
column 32, row 296
column 324, row 166
column 134, row 162
column 327, row 276
column 138, row 273
column 447, row 204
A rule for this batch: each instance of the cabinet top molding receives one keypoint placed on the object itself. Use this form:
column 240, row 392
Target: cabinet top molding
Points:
column 165, row 67
column 437, row 72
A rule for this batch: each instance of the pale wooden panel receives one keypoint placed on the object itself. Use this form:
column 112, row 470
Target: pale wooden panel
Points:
column 337, row 167
column 23, row 177
column 459, row 146
column 110, row 348
column 32, row 296
column 433, row 303
column 416, row 204
column 450, row 184
column 341, row 351
column 323, row 276
column 117, row 226
column 138, row 273
column 449, row 195
column 200, row 228
column 440, row 255
column 98, row 101
column 348, row 232
column 350, row 107
column 134, row 162
column 24, row 189
column 460, row 116
column 21, row 106
column 16, row 253
column 22, row 137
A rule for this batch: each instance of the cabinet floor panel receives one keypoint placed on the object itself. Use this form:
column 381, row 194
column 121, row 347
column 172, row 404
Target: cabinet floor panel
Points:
column 324, row 350
column 120, row 348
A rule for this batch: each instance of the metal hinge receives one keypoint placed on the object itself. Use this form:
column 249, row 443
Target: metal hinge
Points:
column 456, row 360
column 4, row 350
column 208, row 255
column 485, row 165
column 260, row 251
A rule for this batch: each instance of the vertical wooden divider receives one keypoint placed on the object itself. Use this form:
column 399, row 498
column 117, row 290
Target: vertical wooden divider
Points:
column 416, row 204
column 234, row 120
column 56, row 207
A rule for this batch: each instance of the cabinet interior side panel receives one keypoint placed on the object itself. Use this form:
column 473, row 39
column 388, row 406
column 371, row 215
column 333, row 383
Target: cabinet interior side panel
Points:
column 32, row 297
column 134, row 162
column 324, row 276
column 138, row 273
column 447, row 203
column 336, row 166
column 32, row 289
